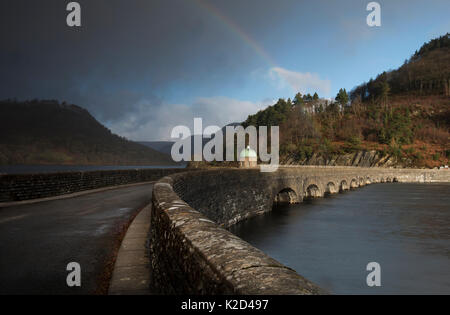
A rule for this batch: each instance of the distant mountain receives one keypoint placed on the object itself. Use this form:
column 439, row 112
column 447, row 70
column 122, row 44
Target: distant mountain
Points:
column 47, row 132
column 160, row 146
column 166, row 146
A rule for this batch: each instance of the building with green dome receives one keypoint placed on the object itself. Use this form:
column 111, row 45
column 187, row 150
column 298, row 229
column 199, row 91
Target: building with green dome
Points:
column 248, row 158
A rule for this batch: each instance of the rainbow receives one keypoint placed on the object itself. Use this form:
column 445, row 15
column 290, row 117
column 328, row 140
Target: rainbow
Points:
column 233, row 27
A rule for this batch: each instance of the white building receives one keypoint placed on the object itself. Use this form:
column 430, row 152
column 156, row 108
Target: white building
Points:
column 248, row 158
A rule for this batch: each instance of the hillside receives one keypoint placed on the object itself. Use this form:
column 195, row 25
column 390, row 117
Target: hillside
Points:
column 166, row 146
column 160, row 146
column 46, row 132
column 401, row 118
column 426, row 72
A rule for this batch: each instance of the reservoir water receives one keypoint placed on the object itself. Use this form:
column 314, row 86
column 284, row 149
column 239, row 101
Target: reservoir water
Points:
column 403, row 227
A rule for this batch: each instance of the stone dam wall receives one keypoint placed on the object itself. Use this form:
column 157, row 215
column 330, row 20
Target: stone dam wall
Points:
column 31, row 186
column 192, row 252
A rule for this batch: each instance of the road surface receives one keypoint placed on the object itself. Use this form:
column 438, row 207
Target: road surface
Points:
column 38, row 240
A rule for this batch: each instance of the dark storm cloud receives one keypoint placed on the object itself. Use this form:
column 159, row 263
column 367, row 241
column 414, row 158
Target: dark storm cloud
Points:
column 138, row 65
column 119, row 44
column 124, row 51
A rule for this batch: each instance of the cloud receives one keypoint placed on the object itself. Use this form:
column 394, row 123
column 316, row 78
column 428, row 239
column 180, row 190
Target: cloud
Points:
column 300, row 82
column 150, row 122
column 129, row 57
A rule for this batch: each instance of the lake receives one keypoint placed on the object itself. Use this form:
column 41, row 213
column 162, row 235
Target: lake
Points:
column 403, row 227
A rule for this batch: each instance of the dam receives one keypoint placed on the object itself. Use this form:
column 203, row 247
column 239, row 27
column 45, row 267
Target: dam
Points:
column 192, row 252
column 190, row 249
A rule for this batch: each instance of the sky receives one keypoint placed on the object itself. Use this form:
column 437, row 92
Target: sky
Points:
column 142, row 67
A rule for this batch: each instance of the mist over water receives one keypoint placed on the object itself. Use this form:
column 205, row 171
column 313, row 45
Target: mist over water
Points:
column 330, row 241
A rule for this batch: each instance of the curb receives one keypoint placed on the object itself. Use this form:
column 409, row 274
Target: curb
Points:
column 131, row 272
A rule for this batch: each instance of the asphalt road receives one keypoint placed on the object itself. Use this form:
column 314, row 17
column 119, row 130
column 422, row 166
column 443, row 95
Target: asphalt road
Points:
column 37, row 241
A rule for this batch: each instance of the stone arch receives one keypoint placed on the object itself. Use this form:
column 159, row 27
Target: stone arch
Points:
column 313, row 191
column 344, row 185
column 331, row 188
column 313, row 186
column 286, row 196
column 360, row 181
column 354, row 183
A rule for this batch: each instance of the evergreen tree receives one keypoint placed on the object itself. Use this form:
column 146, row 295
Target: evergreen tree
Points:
column 384, row 93
column 342, row 97
column 298, row 99
column 289, row 102
column 307, row 97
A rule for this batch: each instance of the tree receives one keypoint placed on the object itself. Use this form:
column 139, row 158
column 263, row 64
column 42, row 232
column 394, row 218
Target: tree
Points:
column 384, row 93
column 307, row 97
column 342, row 97
column 298, row 99
column 289, row 102
column 315, row 96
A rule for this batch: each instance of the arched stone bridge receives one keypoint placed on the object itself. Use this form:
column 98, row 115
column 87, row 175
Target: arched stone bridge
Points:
column 192, row 252
column 294, row 185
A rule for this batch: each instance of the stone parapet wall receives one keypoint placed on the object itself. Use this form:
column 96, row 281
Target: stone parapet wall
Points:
column 192, row 252
column 32, row 186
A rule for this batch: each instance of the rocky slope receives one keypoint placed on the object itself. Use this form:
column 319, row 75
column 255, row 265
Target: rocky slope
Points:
column 360, row 158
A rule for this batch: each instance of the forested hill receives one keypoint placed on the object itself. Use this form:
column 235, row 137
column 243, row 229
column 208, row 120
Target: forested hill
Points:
column 426, row 72
column 400, row 118
column 46, row 132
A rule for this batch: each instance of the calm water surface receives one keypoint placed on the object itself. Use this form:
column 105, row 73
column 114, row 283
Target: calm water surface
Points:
column 330, row 241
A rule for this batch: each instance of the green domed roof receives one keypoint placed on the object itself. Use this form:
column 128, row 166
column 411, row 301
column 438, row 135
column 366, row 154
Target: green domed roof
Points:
column 247, row 152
